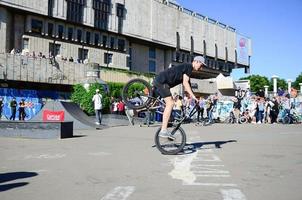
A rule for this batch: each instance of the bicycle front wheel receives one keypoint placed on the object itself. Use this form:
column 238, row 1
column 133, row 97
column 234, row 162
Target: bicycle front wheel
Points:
column 168, row 146
column 136, row 94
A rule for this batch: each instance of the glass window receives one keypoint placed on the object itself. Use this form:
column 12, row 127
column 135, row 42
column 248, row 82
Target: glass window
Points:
column 152, row 52
column 61, row 31
column 104, row 42
column 50, row 29
column 87, row 37
column 36, row 26
column 83, row 54
column 96, row 39
column 121, row 45
column 108, row 58
column 70, row 33
column 79, row 35
column 112, row 42
column 152, row 66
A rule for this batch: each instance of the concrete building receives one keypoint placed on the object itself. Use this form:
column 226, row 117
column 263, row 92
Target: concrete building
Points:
column 136, row 35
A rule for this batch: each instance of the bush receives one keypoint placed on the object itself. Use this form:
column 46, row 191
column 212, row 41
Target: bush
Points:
column 84, row 98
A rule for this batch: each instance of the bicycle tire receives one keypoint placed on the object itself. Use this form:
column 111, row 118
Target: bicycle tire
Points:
column 286, row 120
column 174, row 146
column 129, row 100
column 243, row 120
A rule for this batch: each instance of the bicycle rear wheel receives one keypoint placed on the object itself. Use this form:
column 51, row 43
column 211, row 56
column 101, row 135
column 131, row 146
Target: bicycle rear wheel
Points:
column 136, row 94
column 168, row 146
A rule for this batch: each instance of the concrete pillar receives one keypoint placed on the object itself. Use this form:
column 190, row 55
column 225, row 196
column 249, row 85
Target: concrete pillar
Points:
column 275, row 84
column 289, row 85
column 300, row 88
column 266, row 90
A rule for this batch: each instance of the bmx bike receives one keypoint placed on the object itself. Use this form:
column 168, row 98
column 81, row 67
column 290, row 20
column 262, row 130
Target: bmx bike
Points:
column 139, row 94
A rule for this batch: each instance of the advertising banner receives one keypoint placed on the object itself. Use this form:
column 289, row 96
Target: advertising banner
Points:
column 57, row 116
column 242, row 50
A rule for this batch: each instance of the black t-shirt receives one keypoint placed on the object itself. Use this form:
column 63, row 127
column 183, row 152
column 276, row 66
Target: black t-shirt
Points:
column 174, row 75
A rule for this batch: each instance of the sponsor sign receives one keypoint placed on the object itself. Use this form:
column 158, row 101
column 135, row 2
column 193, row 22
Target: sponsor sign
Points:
column 49, row 115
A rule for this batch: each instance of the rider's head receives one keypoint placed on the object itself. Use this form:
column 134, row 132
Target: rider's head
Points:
column 198, row 63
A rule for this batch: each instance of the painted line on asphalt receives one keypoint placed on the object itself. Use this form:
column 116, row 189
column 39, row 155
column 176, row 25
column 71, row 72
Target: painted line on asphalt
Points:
column 119, row 193
column 232, row 194
column 45, row 156
column 214, row 184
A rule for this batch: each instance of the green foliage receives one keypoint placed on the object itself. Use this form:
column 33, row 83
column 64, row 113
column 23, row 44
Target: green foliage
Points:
column 84, row 98
column 257, row 82
column 297, row 81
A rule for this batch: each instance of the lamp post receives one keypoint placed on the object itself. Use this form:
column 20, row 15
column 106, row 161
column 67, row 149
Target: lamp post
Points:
column 266, row 90
column 300, row 88
column 275, row 84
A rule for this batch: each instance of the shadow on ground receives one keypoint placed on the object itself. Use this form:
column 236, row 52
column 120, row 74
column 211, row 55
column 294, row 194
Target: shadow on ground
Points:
column 12, row 176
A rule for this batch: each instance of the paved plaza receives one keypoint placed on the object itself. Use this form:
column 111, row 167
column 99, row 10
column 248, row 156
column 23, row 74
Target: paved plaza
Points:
column 222, row 162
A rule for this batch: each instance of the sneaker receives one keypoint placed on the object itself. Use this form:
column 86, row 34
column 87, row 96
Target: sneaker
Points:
column 97, row 123
column 166, row 134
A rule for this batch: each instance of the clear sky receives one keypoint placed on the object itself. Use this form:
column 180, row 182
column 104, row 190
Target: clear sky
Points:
column 275, row 27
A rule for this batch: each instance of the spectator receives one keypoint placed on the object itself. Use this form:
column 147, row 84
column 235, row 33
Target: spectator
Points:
column 21, row 109
column 274, row 110
column 260, row 111
column 121, row 107
column 71, row 59
column 260, row 93
column 114, row 106
column 97, row 100
column 1, row 107
column 13, row 106
column 200, row 111
column 280, row 92
column 177, row 107
column 13, row 51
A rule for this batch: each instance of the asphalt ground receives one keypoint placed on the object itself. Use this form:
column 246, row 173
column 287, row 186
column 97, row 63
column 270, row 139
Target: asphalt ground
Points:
column 222, row 162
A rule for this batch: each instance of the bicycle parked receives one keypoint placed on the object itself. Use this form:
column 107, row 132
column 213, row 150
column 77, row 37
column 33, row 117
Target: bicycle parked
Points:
column 139, row 94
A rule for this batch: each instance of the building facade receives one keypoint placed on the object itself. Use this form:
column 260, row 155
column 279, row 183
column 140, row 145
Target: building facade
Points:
column 137, row 35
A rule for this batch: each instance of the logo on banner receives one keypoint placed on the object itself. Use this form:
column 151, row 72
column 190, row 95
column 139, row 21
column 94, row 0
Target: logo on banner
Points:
column 49, row 115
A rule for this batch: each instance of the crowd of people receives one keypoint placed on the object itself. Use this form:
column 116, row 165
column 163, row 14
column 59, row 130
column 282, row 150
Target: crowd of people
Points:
column 13, row 106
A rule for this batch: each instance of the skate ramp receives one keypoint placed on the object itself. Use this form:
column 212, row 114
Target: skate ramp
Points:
column 72, row 112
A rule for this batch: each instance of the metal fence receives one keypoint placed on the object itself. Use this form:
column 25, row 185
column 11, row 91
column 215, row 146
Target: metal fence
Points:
column 35, row 69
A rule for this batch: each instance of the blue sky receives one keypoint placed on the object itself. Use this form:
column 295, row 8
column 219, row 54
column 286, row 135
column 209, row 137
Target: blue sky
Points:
column 275, row 27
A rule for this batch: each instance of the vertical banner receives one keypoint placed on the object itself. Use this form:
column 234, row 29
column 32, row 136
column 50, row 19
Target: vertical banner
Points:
column 242, row 50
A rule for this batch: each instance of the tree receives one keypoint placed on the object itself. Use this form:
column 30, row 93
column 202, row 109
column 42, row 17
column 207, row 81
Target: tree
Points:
column 297, row 81
column 257, row 82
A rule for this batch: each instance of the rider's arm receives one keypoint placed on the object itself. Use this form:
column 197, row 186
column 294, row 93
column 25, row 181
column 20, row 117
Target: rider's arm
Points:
column 185, row 82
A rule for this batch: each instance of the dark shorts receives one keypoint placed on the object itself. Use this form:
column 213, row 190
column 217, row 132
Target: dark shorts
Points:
column 162, row 89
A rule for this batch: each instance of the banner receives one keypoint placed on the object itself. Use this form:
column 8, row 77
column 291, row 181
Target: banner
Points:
column 49, row 115
column 242, row 50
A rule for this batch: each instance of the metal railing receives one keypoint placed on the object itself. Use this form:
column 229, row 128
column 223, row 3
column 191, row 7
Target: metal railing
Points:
column 17, row 67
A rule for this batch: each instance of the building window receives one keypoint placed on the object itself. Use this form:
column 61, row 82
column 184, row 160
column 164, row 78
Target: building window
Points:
column 54, row 49
column 50, row 7
column 87, row 37
column 96, row 39
column 112, row 42
column 104, row 42
column 50, row 29
column 121, row 45
column 192, row 46
column 101, row 13
column 152, row 53
column 79, row 35
column 25, row 43
column 108, row 58
column 61, row 31
column 120, row 14
column 82, row 55
column 152, row 66
column 70, row 34
column 226, row 54
column 75, row 10
column 177, row 41
column 36, row 26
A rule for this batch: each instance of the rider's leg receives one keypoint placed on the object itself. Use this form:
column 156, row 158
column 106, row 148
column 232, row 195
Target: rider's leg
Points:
column 167, row 112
